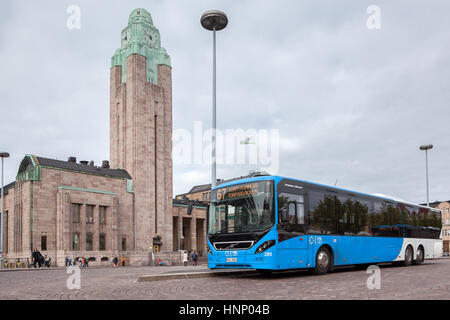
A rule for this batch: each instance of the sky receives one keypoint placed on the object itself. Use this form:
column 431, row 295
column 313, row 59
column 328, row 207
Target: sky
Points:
column 351, row 103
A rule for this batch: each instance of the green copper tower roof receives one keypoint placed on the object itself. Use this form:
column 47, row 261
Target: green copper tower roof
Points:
column 141, row 37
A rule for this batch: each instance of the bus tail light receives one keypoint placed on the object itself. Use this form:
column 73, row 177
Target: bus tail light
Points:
column 266, row 245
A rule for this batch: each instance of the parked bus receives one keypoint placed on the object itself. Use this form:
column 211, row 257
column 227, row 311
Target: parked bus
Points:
column 277, row 223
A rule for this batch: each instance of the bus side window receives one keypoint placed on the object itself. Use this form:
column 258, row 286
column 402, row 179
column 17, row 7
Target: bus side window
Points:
column 291, row 209
column 292, row 213
column 300, row 211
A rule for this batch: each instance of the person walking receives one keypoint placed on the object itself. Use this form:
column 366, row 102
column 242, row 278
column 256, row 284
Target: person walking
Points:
column 185, row 258
column 194, row 258
column 36, row 258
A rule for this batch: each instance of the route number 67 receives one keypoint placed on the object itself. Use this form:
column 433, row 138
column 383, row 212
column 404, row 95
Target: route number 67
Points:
column 221, row 194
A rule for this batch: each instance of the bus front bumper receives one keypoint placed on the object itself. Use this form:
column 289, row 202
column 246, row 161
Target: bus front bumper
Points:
column 242, row 259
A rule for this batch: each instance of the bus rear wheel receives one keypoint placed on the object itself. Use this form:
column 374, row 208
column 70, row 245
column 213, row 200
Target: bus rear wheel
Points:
column 420, row 256
column 323, row 261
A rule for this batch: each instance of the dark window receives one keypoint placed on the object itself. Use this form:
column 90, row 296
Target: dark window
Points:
column 102, row 215
column 75, row 241
column 424, row 224
column 89, row 242
column 76, row 208
column 291, row 211
column 102, row 241
column 89, row 213
column 385, row 219
column 43, row 242
column 352, row 214
column 124, row 243
column 362, row 209
column 347, row 210
column 321, row 215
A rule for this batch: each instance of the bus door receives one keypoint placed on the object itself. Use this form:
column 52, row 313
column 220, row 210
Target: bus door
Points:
column 292, row 242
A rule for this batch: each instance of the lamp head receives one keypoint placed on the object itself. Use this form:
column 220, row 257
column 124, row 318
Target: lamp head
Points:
column 426, row 147
column 214, row 20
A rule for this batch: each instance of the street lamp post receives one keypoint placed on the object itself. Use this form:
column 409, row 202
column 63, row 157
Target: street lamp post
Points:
column 426, row 148
column 214, row 20
column 2, row 155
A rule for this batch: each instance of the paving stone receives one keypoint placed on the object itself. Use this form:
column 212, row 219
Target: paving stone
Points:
column 426, row 281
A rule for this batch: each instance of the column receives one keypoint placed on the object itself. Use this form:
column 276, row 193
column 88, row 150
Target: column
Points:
column 204, row 236
column 193, row 233
column 179, row 229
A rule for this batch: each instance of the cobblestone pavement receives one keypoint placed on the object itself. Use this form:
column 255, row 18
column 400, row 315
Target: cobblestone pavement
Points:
column 430, row 280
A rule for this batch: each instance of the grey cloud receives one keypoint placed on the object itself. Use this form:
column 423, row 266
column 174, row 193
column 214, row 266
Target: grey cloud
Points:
column 354, row 103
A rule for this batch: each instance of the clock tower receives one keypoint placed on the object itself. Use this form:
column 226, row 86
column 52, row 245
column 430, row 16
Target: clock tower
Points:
column 141, row 131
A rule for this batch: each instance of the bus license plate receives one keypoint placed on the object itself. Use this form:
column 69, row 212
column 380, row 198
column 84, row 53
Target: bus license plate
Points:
column 231, row 259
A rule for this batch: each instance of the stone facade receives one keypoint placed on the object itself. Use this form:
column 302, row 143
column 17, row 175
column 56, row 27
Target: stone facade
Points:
column 141, row 131
column 189, row 228
column 39, row 212
column 141, row 143
column 72, row 212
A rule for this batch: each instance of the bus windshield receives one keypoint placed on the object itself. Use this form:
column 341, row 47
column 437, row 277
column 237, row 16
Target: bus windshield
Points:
column 242, row 208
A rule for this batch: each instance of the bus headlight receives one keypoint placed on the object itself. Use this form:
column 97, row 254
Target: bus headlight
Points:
column 209, row 250
column 266, row 245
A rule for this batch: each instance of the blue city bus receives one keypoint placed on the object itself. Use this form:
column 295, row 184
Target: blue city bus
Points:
column 276, row 223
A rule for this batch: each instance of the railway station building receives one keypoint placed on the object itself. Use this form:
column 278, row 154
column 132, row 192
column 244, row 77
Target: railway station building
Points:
column 124, row 206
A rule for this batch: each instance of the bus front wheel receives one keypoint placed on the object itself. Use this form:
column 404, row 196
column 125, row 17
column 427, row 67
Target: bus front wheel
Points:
column 324, row 260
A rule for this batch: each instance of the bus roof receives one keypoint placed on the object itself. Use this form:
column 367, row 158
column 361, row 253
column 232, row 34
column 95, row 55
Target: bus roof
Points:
column 278, row 178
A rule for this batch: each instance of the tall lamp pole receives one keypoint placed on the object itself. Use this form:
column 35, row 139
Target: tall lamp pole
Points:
column 214, row 20
column 2, row 155
column 426, row 148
